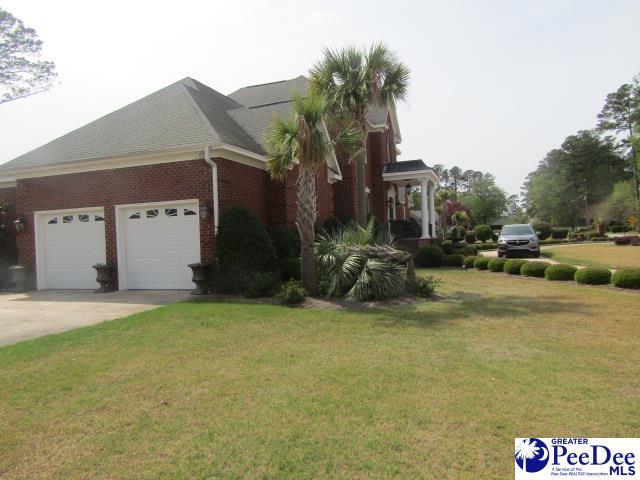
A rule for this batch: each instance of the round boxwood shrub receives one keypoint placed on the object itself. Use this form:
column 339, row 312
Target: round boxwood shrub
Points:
column 429, row 256
column 483, row 232
column 496, row 264
column 544, row 228
column 470, row 249
column 593, row 276
column 243, row 248
column 469, row 261
column 447, row 247
column 627, row 278
column 482, row 263
column 534, row 269
column 454, row 260
column 513, row 266
column 560, row 271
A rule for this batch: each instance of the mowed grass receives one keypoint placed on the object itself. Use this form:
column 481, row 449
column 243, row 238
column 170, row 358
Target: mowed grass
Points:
column 224, row 390
column 598, row 254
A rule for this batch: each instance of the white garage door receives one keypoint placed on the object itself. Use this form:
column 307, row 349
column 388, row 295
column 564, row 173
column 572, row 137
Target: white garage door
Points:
column 72, row 243
column 159, row 242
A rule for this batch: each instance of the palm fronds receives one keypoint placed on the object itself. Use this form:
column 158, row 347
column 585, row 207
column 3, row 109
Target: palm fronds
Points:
column 357, row 263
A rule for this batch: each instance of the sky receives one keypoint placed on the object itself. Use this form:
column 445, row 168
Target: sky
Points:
column 494, row 84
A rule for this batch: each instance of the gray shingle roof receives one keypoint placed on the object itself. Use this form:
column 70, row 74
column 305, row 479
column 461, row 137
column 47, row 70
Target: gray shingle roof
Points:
column 406, row 166
column 270, row 93
column 186, row 114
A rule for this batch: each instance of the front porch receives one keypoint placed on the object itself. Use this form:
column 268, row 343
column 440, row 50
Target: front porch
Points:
column 400, row 178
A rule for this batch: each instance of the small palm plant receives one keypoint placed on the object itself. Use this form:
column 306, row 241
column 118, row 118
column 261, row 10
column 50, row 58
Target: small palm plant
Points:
column 526, row 450
column 359, row 264
column 304, row 140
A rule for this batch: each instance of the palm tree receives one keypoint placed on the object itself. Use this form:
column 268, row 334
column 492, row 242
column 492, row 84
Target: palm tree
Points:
column 304, row 140
column 355, row 81
column 526, row 450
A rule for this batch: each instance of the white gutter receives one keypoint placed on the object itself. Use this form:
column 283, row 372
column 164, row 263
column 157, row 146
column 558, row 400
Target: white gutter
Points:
column 214, row 182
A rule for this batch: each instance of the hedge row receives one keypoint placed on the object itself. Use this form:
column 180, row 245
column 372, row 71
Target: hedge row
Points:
column 625, row 278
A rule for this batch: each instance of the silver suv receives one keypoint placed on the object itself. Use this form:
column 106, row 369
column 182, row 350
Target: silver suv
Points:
column 520, row 238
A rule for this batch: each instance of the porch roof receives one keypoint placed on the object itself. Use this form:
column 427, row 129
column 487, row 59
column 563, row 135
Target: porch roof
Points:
column 408, row 170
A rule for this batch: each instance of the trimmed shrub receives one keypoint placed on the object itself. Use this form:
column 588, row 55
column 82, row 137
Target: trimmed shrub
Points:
column 624, row 239
column 470, row 236
column 454, row 260
column 513, row 267
column 470, row 249
column 560, row 272
column 534, row 269
column 618, row 228
column 487, row 246
column 560, row 233
column 447, row 247
column 429, row 256
column 459, row 251
column 593, row 276
column 481, row 263
column 292, row 292
column 496, row 264
column 289, row 268
column 286, row 241
column 426, row 286
column 627, row 278
column 483, row 232
column 544, row 228
column 261, row 284
column 243, row 248
column 598, row 239
column 468, row 262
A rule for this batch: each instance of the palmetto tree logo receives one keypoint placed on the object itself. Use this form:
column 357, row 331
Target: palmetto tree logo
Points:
column 532, row 455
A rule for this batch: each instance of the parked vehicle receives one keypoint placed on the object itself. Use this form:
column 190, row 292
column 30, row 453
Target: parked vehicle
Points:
column 518, row 239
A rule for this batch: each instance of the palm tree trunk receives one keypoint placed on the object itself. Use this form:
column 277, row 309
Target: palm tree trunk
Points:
column 361, row 195
column 307, row 215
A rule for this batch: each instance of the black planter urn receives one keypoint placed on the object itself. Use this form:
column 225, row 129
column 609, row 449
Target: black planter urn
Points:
column 105, row 276
column 201, row 277
column 20, row 278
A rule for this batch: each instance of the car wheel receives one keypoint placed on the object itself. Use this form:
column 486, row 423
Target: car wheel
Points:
column 500, row 254
column 536, row 255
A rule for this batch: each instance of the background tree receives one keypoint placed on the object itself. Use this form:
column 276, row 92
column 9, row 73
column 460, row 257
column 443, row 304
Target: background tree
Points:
column 485, row 199
column 456, row 177
column 620, row 114
column 22, row 73
column 572, row 178
column 304, row 140
column 355, row 81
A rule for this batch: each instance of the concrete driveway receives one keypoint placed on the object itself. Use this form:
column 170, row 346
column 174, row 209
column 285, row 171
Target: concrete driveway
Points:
column 34, row 314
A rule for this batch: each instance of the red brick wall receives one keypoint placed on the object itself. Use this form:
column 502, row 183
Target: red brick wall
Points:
column 238, row 185
column 8, row 202
column 282, row 197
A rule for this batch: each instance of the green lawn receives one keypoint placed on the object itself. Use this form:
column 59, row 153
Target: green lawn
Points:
column 224, row 390
column 595, row 254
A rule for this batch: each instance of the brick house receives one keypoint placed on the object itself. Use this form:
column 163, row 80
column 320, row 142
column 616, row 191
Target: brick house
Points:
column 143, row 187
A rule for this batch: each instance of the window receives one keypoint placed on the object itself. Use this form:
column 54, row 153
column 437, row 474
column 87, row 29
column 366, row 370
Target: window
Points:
column 134, row 216
column 188, row 211
column 67, row 219
column 83, row 218
column 53, row 221
column 152, row 213
column 98, row 218
column 171, row 212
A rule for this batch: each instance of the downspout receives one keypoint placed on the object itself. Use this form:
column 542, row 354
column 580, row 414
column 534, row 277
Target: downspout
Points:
column 214, row 183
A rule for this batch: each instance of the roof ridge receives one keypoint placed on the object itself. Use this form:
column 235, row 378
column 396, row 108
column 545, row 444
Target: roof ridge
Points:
column 192, row 101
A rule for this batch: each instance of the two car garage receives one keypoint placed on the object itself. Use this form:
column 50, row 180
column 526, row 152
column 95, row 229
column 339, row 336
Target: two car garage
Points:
column 154, row 244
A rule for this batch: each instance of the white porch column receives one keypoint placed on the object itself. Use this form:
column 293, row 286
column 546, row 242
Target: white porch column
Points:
column 424, row 208
column 432, row 208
